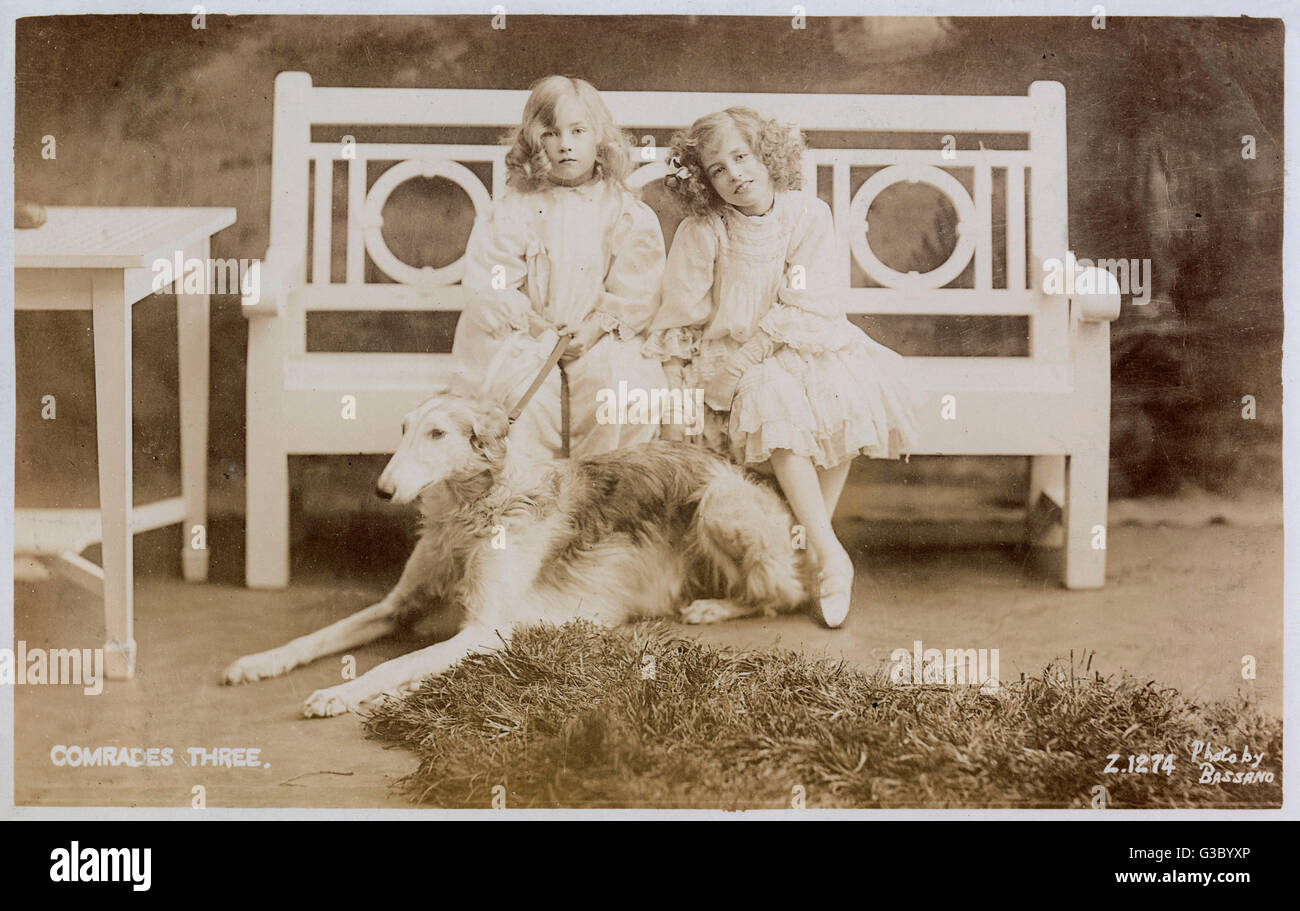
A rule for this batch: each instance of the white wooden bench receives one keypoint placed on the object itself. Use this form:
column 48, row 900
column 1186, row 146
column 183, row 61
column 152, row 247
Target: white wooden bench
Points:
column 1052, row 405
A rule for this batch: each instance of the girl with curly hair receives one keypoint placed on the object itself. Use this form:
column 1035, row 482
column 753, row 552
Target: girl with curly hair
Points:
column 752, row 312
column 567, row 248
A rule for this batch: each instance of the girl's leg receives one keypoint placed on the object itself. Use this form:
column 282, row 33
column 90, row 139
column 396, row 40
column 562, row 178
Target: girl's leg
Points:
column 536, row 434
column 832, row 484
column 511, row 371
column 803, row 489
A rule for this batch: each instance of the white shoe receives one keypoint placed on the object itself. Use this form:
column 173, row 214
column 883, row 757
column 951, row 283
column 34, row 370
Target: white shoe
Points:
column 836, row 595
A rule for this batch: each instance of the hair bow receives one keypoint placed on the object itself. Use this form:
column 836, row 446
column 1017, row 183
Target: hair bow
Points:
column 680, row 174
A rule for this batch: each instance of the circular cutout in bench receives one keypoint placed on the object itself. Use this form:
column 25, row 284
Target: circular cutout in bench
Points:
column 373, row 218
column 950, row 191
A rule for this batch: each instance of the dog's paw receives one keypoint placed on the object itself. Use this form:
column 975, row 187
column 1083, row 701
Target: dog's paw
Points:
column 261, row 666
column 336, row 700
column 327, row 703
column 708, row 610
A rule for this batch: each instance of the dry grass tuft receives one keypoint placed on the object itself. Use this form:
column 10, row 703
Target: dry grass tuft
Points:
column 569, row 716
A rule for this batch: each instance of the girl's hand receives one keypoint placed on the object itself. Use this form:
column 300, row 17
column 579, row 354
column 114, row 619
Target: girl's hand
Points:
column 497, row 316
column 721, row 389
column 585, row 336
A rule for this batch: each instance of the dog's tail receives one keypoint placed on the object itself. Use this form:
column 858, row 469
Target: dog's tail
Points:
column 744, row 546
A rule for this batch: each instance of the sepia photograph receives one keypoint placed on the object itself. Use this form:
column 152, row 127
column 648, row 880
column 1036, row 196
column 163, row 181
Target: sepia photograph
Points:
column 775, row 410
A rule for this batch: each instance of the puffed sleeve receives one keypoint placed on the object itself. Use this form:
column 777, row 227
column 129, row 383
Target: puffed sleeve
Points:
column 631, row 293
column 809, row 312
column 499, row 242
column 687, row 299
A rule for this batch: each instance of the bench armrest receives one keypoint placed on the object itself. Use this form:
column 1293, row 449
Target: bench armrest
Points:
column 1102, row 305
column 278, row 276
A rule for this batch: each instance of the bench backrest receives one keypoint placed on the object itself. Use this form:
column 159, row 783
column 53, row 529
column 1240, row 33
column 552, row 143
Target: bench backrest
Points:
column 1009, row 193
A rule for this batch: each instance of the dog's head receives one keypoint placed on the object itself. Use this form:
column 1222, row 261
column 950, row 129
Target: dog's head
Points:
column 448, row 437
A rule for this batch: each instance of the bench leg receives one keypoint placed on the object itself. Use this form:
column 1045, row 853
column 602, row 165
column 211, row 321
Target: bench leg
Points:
column 192, row 339
column 1087, row 477
column 266, row 559
column 1046, row 501
column 112, row 329
column 266, row 555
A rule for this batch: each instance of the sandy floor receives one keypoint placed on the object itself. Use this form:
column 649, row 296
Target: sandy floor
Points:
column 1181, row 606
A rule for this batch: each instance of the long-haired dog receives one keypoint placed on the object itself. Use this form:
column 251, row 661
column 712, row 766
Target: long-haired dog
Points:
column 656, row 530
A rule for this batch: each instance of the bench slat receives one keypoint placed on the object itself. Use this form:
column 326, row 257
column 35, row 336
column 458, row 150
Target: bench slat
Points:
column 983, row 197
column 1015, row 228
column 378, row 298
column 356, row 255
column 987, row 421
column 402, row 151
column 343, row 371
column 322, row 217
column 874, row 301
column 673, row 110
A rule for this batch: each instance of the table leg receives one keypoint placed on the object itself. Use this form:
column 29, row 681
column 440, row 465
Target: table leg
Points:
column 112, row 322
column 192, row 346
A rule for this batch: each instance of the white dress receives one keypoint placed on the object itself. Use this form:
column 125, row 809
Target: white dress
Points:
column 563, row 253
column 824, row 389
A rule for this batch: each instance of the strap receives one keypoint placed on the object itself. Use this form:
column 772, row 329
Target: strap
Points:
column 556, row 353
column 564, row 411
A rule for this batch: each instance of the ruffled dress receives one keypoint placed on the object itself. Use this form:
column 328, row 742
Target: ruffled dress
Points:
column 549, row 258
column 824, row 389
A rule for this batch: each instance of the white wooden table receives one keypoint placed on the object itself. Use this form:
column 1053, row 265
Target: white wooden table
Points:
column 101, row 259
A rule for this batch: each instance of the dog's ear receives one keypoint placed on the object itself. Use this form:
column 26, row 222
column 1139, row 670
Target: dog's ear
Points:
column 489, row 433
